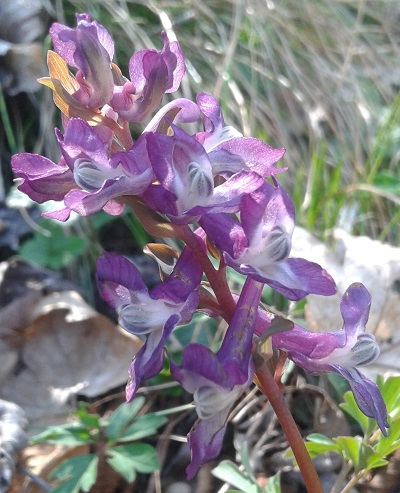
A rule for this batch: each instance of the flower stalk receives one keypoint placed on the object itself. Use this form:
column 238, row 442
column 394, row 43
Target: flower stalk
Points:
column 266, row 383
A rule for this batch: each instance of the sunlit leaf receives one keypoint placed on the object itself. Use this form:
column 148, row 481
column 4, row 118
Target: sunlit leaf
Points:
column 143, row 426
column 351, row 407
column 229, row 472
column 389, row 388
column 121, row 417
column 361, row 455
column 141, row 456
column 274, row 484
column 70, row 434
column 76, row 474
column 123, row 465
column 387, row 445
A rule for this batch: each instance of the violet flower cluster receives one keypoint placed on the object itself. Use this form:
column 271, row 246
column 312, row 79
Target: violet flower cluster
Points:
column 215, row 190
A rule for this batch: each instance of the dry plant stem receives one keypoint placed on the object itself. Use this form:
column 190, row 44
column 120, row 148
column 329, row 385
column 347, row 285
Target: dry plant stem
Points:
column 216, row 278
column 266, row 383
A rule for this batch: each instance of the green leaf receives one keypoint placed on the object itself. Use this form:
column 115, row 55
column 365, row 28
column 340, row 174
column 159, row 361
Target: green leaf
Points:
column 244, row 459
column 351, row 408
column 315, row 449
column 361, row 455
column 388, row 181
column 141, row 456
column 390, row 392
column 350, row 447
column 71, row 434
column 89, row 476
column 143, row 426
column 75, row 474
column 319, row 438
column 121, row 417
column 317, row 444
column 274, row 484
column 229, row 472
column 87, row 420
column 54, row 251
column 387, row 445
column 122, row 465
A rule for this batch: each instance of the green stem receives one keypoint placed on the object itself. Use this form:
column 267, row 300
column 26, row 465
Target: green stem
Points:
column 341, row 477
column 266, row 383
column 353, row 481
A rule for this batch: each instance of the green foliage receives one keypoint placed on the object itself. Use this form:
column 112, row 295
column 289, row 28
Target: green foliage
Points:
column 54, row 250
column 115, row 438
column 244, row 480
column 76, row 474
column 372, row 449
column 229, row 472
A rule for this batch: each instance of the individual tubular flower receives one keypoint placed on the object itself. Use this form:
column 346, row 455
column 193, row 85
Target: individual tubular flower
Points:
column 259, row 246
column 217, row 380
column 86, row 179
column 185, row 187
column 152, row 74
column 89, row 48
column 341, row 351
column 228, row 150
column 153, row 313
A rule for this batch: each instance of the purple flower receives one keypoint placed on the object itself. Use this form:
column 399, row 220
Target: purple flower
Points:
column 260, row 244
column 228, row 150
column 86, row 179
column 88, row 48
column 341, row 351
column 153, row 313
column 217, row 380
column 185, row 187
column 152, row 74
column 40, row 178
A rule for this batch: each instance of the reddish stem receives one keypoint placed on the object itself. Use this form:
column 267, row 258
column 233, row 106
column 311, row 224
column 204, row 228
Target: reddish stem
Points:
column 216, row 278
column 266, row 383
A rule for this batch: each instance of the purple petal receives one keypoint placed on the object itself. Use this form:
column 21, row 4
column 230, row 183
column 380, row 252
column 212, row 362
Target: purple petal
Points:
column 247, row 154
column 80, row 141
column 152, row 74
column 149, row 360
column 205, row 441
column 226, row 233
column 60, row 215
column 183, row 280
column 90, row 49
column 227, row 196
column 180, row 110
column 265, row 209
column 42, row 179
column 235, row 351
column 159, row 199
column 87, row 203
column 295, row 278
column 307, row 348
column 211, row 110
column 367, row 396
column 200, row 367
column 354, row 307
column 117, row 279
column 174, row 60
